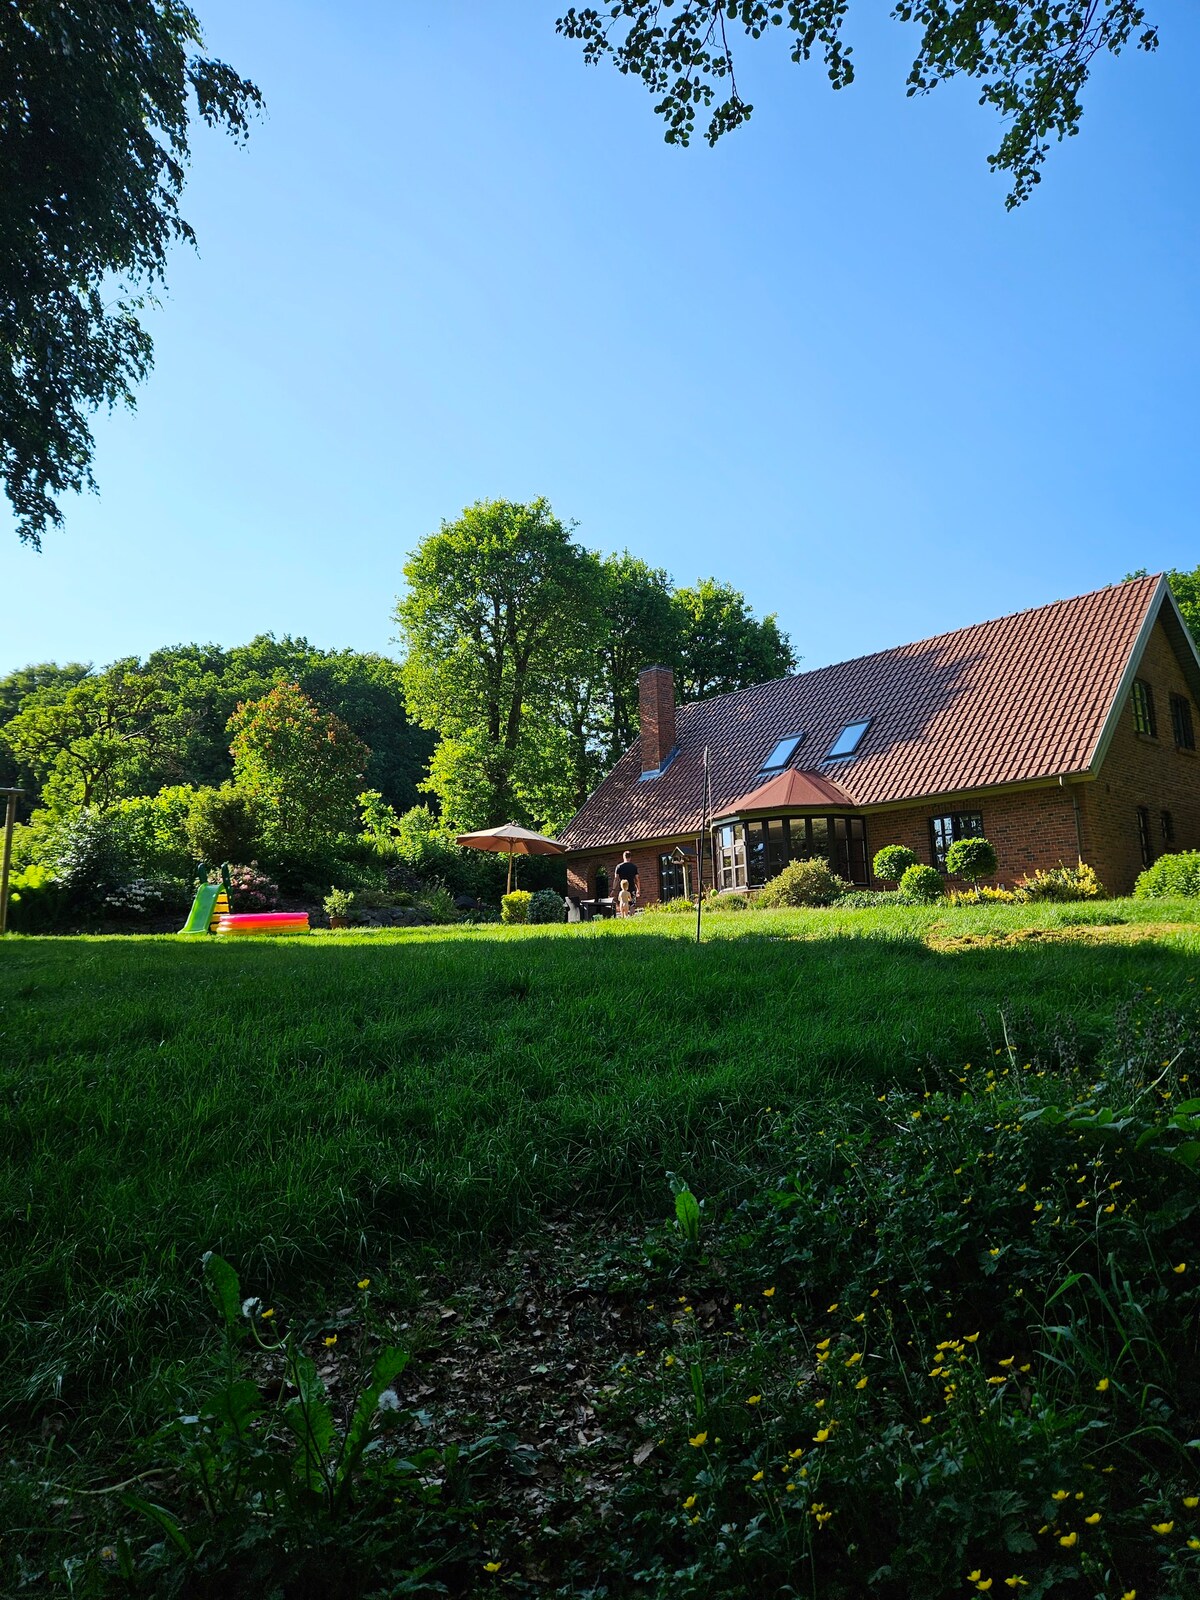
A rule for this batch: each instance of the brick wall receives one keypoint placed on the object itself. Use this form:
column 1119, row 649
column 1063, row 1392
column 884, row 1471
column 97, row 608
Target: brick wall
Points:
column 1140, row 771
column 581, row 869
column 1029, row 829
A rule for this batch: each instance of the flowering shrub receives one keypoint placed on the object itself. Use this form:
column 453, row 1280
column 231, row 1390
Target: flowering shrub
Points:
column 1177, row 874
column 985, row 894
column 145, row 897
column 1063, row 883
column 250, row 887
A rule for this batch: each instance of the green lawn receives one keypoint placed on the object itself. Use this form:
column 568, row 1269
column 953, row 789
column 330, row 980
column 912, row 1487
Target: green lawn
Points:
column 312, row 1107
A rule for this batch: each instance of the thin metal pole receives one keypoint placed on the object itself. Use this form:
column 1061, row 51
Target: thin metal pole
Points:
column 10, row 817
column 700, row 847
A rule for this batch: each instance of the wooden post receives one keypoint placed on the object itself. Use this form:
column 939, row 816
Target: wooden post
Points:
column 10, row 818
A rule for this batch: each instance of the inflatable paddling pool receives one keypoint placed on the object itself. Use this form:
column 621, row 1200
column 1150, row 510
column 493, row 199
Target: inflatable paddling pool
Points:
column 263, row 922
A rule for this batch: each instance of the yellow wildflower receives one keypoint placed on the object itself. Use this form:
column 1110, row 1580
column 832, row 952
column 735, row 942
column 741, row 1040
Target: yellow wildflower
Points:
column 364, row 1283
column 820, row 1436
column 1162, row 1527
column 698, row 1439
column 1017, row 1581
column 1191, row 1501
column 331, row 1340
column 1093, row 1519
column 753, row 1399
column 862, row 1382
column 970, row 1337
column 824, row 1345
column 1007, row 1361
column 689, row 1502
column 834, row 1306
column 1182, row 1267
column 927, row 1419
column 1068, row 1540
column 269, row 1312
column 1061, row 1494
column 492, row 1566
column 1102, row 1386
column 757, row 1478
column 852, row 1361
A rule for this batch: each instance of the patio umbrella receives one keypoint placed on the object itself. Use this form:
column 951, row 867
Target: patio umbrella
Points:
column 517, row 841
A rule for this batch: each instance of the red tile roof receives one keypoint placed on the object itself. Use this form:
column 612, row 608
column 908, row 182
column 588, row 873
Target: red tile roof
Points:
column 788, row 791
column 1024, row 697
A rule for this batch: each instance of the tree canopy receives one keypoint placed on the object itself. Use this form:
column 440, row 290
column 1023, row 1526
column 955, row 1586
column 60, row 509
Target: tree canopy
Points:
column 96, row 104
column 523, row 650
column 1030, row 59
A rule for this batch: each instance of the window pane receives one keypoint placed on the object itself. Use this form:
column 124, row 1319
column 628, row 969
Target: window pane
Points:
column 1181, row 722
column 818, row 843
column 1143, row 707
column 777, row 851
column 847, row 741
column 756, row 854
column 783, row 752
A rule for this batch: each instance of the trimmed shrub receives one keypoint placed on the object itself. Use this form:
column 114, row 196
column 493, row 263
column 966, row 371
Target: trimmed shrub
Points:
column 923, row 885
column 971, row 859
column 546, row 905
column 893, row 861
column 1063, row 883
column 802, row 883
column 514, row 906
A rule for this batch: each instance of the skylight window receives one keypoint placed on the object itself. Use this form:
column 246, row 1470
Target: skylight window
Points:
column 848, row 740
column 782, row 753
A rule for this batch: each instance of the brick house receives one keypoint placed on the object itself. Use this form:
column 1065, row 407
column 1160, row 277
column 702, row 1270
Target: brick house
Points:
column 1061, row 734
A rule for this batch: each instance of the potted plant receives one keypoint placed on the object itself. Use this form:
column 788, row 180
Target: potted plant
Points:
column 338, row 904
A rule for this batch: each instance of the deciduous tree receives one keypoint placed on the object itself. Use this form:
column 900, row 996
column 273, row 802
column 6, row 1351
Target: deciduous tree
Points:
column 723, row 645
column 1030, row 59
column 96, row 102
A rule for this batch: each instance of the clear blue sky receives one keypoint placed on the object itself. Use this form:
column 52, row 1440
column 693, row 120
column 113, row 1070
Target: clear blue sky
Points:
column 821, row 361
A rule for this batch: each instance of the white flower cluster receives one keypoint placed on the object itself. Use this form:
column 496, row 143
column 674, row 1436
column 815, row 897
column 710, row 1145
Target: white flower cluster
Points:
column 389, row 1400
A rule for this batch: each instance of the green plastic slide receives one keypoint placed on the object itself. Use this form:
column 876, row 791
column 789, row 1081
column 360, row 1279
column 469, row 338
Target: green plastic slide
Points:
column 202, row 908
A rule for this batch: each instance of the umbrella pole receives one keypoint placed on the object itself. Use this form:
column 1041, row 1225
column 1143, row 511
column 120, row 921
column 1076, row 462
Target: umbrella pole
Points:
column 510, row 856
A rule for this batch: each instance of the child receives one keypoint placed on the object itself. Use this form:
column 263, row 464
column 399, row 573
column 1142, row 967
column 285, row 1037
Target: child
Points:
column 624, row 899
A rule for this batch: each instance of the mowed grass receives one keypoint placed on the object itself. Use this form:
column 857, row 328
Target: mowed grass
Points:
column 314, row 1108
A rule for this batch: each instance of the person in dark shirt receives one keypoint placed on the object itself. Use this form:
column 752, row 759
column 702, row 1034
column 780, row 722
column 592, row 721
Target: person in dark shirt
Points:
column 627, row 872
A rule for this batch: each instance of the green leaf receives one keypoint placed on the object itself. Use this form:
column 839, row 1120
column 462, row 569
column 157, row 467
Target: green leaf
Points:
column 389, row 1364
column 224, row 1287
column 164, row 1519
column 687, row 1213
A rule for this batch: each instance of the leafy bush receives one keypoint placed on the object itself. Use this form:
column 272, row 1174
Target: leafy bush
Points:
column 250, row 888
column 1063, row 883
column 725, row 900
column 869, row 899
column 151, row 831
column 90, row 859
column 670, row 906
column 972, row 859
column 222, row 825
column 545, row 905
column 36, row 900
column 514, row 906
column 438, row 904
column 922, row 885
column 893, row 861
column 1172, row 876
column 338, row 903
column 802, row 883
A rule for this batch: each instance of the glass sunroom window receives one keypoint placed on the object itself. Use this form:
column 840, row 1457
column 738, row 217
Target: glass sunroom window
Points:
column 772, row 843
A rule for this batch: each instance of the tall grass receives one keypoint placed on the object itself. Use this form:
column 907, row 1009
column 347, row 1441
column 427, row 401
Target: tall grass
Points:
column 310, row 1107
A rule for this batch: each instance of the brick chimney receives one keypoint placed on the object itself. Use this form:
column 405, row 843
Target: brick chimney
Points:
column 656, row 712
